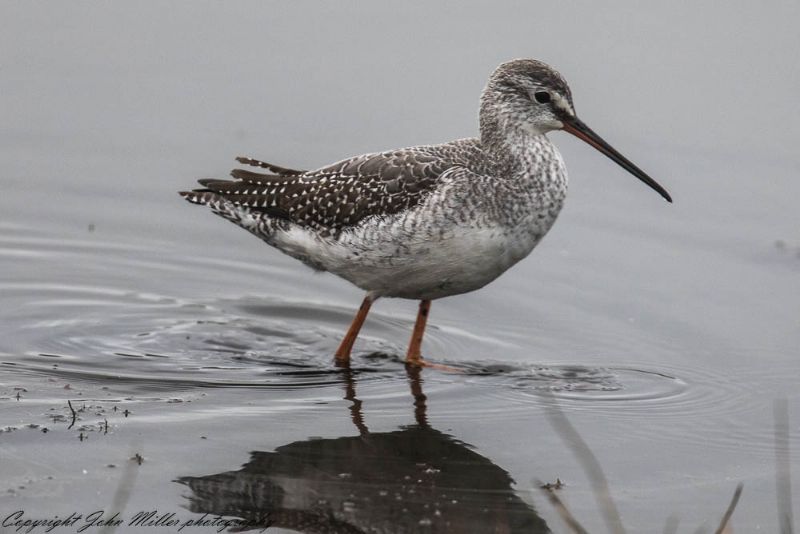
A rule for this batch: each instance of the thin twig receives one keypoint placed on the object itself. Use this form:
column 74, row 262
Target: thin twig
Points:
column 74, row 415
column 562, row 510
column 590, row 464
column 731, row 507
column 783, row 465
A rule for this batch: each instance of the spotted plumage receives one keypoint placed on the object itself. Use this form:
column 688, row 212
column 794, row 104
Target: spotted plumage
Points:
column 429, row 221
column 340, row 195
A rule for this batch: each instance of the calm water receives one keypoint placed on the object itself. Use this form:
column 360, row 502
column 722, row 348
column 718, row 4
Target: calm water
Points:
column 664, row 332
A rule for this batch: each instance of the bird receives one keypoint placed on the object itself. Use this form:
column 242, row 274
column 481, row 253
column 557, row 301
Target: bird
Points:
column 423, row 222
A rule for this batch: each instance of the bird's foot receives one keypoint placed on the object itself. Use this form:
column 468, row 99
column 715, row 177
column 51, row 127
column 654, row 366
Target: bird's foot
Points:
column 419, row 362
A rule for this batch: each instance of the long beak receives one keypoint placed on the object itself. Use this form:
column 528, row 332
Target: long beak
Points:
column 576, row 127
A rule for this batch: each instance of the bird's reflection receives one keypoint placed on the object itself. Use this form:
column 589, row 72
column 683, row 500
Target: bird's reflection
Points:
column 414, row 479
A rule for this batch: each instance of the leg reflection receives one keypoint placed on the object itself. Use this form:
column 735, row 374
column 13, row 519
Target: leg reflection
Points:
column 391, row 481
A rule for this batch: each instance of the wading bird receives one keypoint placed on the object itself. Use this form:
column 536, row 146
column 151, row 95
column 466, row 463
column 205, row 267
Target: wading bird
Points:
column 423, row 222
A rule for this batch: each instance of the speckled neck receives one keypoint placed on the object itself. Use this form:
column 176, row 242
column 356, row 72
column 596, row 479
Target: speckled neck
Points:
column 505, row 138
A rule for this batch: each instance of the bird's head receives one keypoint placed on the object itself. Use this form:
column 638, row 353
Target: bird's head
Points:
column 528, row 96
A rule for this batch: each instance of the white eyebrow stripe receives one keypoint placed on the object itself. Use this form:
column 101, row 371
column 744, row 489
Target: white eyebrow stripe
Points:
column 562, row 103
column 556, row 99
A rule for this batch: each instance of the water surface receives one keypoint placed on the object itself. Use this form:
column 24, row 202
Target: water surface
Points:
column 663, row 332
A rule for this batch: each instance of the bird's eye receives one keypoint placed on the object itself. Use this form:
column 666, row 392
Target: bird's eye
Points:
column 542, row 97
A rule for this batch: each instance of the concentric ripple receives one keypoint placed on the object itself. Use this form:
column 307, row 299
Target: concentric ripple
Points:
column 163, row 342
column 89, row 324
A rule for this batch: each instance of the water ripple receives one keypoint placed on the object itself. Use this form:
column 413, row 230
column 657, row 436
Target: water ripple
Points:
column 89, row 325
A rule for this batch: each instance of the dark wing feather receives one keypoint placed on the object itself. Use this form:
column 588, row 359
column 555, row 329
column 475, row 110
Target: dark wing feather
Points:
column 283, row 171
column 340, row 195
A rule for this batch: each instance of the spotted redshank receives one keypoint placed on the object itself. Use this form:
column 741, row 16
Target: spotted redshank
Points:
column 423, row 222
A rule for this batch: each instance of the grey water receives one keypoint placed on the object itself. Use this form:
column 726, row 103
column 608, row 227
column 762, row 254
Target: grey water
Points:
column 663, row 332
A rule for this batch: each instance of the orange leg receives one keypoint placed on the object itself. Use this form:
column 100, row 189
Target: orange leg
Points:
column 343, row 352
column 414, row 355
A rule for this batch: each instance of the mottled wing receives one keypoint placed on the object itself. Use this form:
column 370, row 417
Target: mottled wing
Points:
column 340, row 195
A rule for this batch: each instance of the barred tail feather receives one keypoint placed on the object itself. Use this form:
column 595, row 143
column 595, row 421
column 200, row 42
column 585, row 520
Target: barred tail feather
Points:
column 197, row 197
column 280, row 233
column 258, row 223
